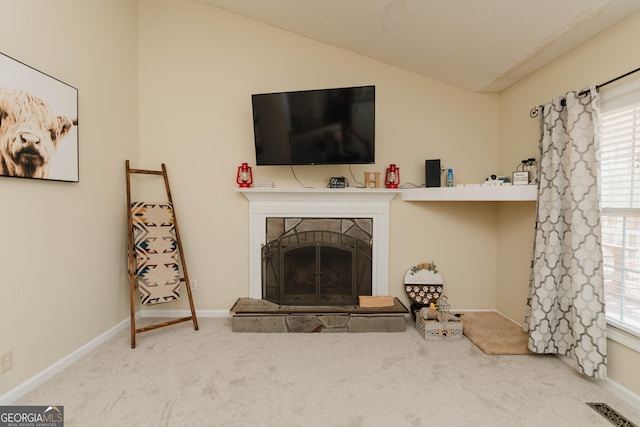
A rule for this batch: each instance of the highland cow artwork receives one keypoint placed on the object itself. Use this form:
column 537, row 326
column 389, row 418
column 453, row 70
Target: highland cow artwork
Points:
column 38, row 124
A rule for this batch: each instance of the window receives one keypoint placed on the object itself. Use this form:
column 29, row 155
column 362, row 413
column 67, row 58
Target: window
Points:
column 620, row 192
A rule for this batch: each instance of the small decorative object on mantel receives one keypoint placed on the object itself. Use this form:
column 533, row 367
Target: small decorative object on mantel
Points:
column 526, row 172
column 244, row 177
column 496, row 181
column 337, row 182
column 423, row 284
column 392, row 178
column 370, row 182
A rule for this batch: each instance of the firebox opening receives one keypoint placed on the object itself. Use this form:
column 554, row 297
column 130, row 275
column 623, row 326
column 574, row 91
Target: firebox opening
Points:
column 317, row 261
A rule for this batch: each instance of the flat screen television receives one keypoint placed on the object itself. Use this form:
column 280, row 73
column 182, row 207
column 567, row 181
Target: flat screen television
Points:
column 315, row 127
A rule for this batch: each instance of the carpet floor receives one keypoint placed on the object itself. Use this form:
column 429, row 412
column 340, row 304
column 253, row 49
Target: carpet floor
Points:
column 214, row 377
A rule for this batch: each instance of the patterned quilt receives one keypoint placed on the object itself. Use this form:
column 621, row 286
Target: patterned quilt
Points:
column 156, row 252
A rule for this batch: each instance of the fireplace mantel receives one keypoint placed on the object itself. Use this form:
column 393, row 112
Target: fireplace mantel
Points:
column 320, row 203
column 323, row 195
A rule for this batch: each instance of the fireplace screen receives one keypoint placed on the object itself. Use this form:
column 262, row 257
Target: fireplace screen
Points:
column 317, row 261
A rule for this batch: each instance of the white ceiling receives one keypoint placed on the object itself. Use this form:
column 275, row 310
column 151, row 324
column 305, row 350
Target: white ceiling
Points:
column 480, row 45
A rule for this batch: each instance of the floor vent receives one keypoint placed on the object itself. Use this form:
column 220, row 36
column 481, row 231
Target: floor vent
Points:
column 611, row 414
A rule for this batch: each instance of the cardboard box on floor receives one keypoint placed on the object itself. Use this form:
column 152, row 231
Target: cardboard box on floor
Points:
column 376, row 301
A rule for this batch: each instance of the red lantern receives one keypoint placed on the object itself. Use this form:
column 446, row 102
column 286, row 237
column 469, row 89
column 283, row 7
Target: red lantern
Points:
column 392, row 178
column 244, row 178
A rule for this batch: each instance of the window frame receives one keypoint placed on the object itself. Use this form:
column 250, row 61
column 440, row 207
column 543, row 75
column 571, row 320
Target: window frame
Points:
column 620, row 96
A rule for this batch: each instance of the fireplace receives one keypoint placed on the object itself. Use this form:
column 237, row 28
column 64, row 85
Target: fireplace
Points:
column 287, row 206
column 317, row 261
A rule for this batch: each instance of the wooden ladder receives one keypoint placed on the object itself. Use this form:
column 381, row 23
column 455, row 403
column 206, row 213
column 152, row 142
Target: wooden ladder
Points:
column 132, row 262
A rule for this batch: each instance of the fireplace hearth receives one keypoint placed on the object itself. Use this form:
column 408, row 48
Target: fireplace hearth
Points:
column 317, row 261
column 260, row 315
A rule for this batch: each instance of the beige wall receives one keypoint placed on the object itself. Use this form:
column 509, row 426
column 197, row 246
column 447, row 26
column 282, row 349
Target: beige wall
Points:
column 198, row 69
column 170, row 81
column 62, row 277
column 606, row 56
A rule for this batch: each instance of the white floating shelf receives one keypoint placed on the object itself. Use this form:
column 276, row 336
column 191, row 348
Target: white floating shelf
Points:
column 486, row 193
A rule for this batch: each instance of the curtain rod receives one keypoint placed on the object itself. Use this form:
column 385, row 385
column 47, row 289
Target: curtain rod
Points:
column 534, row 111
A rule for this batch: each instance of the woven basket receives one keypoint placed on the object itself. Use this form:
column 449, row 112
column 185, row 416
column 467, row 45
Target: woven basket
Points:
column 439, row 331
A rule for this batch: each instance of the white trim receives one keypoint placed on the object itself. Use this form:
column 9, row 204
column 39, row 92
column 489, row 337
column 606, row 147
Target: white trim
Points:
column 622, row 392
column 183, row 313
column 517, row 323
column 620, row 335
column 38, row 379
column 474, row 310
column 623, row 97
column 319, row 203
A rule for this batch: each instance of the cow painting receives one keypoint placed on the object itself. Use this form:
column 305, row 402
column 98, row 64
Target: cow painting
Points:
column 30, row 133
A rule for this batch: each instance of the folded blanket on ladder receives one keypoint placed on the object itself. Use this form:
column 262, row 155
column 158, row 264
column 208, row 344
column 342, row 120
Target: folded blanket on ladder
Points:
column 156, row 252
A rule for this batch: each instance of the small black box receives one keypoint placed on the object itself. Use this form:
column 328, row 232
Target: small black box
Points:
column 337, row 182
column 432, row 173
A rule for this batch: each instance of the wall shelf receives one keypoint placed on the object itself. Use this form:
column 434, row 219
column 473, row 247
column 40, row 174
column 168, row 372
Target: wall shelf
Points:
column 486, row 193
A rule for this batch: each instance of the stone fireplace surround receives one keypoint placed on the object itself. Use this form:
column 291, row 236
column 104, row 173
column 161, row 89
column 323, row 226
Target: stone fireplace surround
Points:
column 320, row 203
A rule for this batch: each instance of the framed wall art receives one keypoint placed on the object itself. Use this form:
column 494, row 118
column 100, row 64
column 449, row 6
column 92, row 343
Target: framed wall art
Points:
column 38, row 124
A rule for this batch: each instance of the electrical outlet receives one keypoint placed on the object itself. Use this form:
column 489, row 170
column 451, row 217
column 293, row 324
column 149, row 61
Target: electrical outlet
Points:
column 6, row 361
column 194, row 285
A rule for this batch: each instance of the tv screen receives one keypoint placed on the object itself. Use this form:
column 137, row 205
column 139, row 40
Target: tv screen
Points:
column 315, row 127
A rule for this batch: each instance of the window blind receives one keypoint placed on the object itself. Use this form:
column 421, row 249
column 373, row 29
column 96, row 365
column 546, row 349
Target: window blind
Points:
column 620, row 203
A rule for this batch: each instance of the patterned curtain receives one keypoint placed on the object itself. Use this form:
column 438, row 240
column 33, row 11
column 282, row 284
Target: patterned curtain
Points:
column 565, row 308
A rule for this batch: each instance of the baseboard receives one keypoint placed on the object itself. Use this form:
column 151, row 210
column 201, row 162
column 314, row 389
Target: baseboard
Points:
column 183, row 313
column 622, row 392
column 35, row 381
column 609, row 385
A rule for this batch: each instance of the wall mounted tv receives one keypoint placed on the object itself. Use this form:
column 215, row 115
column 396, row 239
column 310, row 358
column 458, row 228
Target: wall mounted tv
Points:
column 315, row 127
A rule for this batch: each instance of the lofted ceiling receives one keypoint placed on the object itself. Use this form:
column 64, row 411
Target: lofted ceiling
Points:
column 479, row 45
